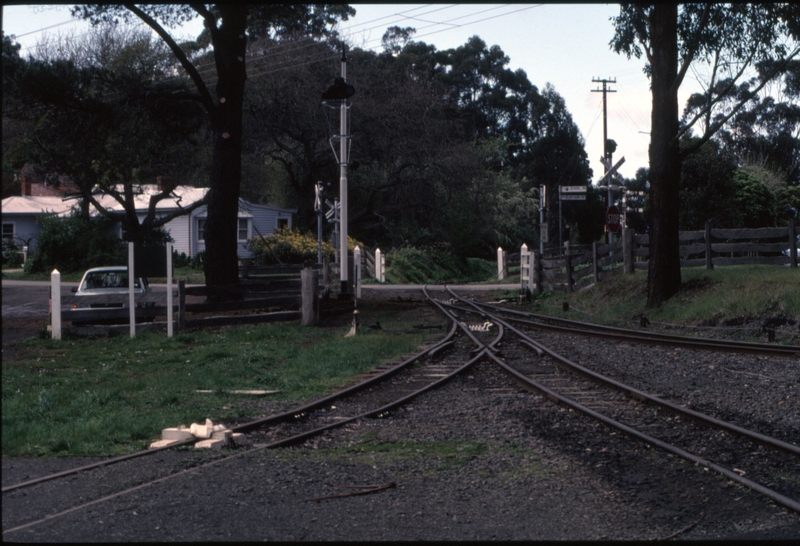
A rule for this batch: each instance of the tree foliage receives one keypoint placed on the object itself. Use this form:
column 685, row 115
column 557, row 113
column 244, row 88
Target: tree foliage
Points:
column 74, row 244
column 228, row 27
column 109, row 93
column 728, row 39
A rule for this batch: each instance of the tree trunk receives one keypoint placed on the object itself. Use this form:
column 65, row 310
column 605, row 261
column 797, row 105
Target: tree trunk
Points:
column 664, row 274
column 221, row 230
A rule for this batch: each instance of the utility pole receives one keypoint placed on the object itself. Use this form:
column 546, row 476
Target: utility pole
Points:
column 344, row 156
column 606, row 153
column 340, row 92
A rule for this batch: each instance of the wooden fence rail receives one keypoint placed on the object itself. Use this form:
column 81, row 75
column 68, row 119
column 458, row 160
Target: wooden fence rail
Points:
column 723, row 247
column 265, row 298
column 577, row 268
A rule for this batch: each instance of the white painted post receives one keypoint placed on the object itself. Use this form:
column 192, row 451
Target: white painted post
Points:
column 357, row 268
column 378, row 265
column 500, row 264
column 131, row 303
column 55, row 304
column 383, row 268
column 525, row 269
column 169, row 290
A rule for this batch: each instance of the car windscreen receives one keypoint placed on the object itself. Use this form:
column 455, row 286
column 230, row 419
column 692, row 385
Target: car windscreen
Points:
column 107, row 279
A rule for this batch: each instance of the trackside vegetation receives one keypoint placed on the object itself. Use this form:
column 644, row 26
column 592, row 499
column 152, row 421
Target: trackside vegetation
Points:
column 113, row 395
column 739, row 301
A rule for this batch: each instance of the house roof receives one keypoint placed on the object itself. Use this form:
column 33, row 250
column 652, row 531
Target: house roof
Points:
column 36, row 205
column 181, row 196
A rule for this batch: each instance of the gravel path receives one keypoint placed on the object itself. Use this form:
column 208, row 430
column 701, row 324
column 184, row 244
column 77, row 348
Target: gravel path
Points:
column 477, row 460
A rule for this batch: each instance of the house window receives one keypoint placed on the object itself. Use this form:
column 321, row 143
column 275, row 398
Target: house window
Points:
column 8, row 232
column 283, row 223
column 201, row 229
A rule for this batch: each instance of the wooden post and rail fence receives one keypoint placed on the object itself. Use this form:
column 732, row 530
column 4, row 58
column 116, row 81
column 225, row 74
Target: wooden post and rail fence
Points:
column 279, row 293
column 583, row 266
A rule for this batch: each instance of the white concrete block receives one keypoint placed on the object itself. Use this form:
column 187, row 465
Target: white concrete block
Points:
column 224, row 434
column 176, row 434
column 210, row 444
column 163, row 443
column 200, row 431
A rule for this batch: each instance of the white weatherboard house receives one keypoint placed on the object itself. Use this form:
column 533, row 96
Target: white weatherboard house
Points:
column 20, row 213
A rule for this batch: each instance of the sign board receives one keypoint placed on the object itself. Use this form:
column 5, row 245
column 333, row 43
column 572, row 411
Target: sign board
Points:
column 543, row 232
column 573, row 189
column 574, row 197
column 613, row 219
column 611, row 171
column 150, row 261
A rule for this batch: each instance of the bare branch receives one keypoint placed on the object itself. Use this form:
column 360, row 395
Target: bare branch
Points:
column 693, row 44
column 712, row 131
column 205, row 95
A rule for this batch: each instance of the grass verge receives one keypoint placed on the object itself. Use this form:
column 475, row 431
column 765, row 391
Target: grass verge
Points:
column 113, row 395
column 191, row 276
column 725, row 297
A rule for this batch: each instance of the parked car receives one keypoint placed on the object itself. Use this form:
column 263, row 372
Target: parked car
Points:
column 100, row 281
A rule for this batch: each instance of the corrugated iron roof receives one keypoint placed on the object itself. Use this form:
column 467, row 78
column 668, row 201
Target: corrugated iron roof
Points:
column 36, row 205
column 28, row 204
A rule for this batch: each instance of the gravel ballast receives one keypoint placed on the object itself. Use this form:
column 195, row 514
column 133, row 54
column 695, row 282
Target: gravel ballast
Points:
column 479, row 459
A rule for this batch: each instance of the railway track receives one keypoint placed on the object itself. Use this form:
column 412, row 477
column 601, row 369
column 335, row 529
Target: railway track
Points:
column 649, row 418
column 376, row 396
column 485, row 336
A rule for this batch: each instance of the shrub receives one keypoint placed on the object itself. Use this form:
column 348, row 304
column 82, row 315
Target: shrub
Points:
column 291, row 247
column 179, row 260
column 11, row 256
column 74, row 244
column 431, row 265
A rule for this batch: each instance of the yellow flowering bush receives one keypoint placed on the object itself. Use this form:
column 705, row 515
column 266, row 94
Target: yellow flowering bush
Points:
column 291, row 247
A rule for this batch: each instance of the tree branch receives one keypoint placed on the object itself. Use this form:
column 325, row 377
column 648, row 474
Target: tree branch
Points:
column 693, row 44
column 641, row 33
column 720, row 96
column 205, row 95
column 712, row 131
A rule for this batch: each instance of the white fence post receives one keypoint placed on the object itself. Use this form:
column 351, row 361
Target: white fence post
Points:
column 55, row 304
column 502, row 266
column 357, row 272
column 525, row 276
column 169, row 289
column 131, row 303
column 380, row 261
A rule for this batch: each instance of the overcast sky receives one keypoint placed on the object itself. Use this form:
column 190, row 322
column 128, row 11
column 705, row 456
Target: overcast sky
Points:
column 562, row 44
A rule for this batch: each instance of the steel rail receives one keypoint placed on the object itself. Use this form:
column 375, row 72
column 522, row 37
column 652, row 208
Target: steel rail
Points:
column 767, row 492
column 552, row 395
column 654, row 400
column 252, row 424
column 279, row 443
column 585, row 328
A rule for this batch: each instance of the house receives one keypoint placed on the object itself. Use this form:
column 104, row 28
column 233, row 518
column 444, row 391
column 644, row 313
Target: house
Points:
column 20, row 212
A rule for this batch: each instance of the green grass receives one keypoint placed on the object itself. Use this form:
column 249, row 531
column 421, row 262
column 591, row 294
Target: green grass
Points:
column 722, row 296
column 433, row 457
column 113, row 395
column 191, row 276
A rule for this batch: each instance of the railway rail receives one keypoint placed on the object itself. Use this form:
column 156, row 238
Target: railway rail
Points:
column 548, row 381
column 485, row 336
column 375, row 396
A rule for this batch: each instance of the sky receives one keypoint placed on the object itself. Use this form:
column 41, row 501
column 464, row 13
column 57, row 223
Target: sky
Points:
column 566, row 45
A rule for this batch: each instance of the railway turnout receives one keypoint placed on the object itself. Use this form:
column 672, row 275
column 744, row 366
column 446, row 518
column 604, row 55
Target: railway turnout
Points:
column 517, row 344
